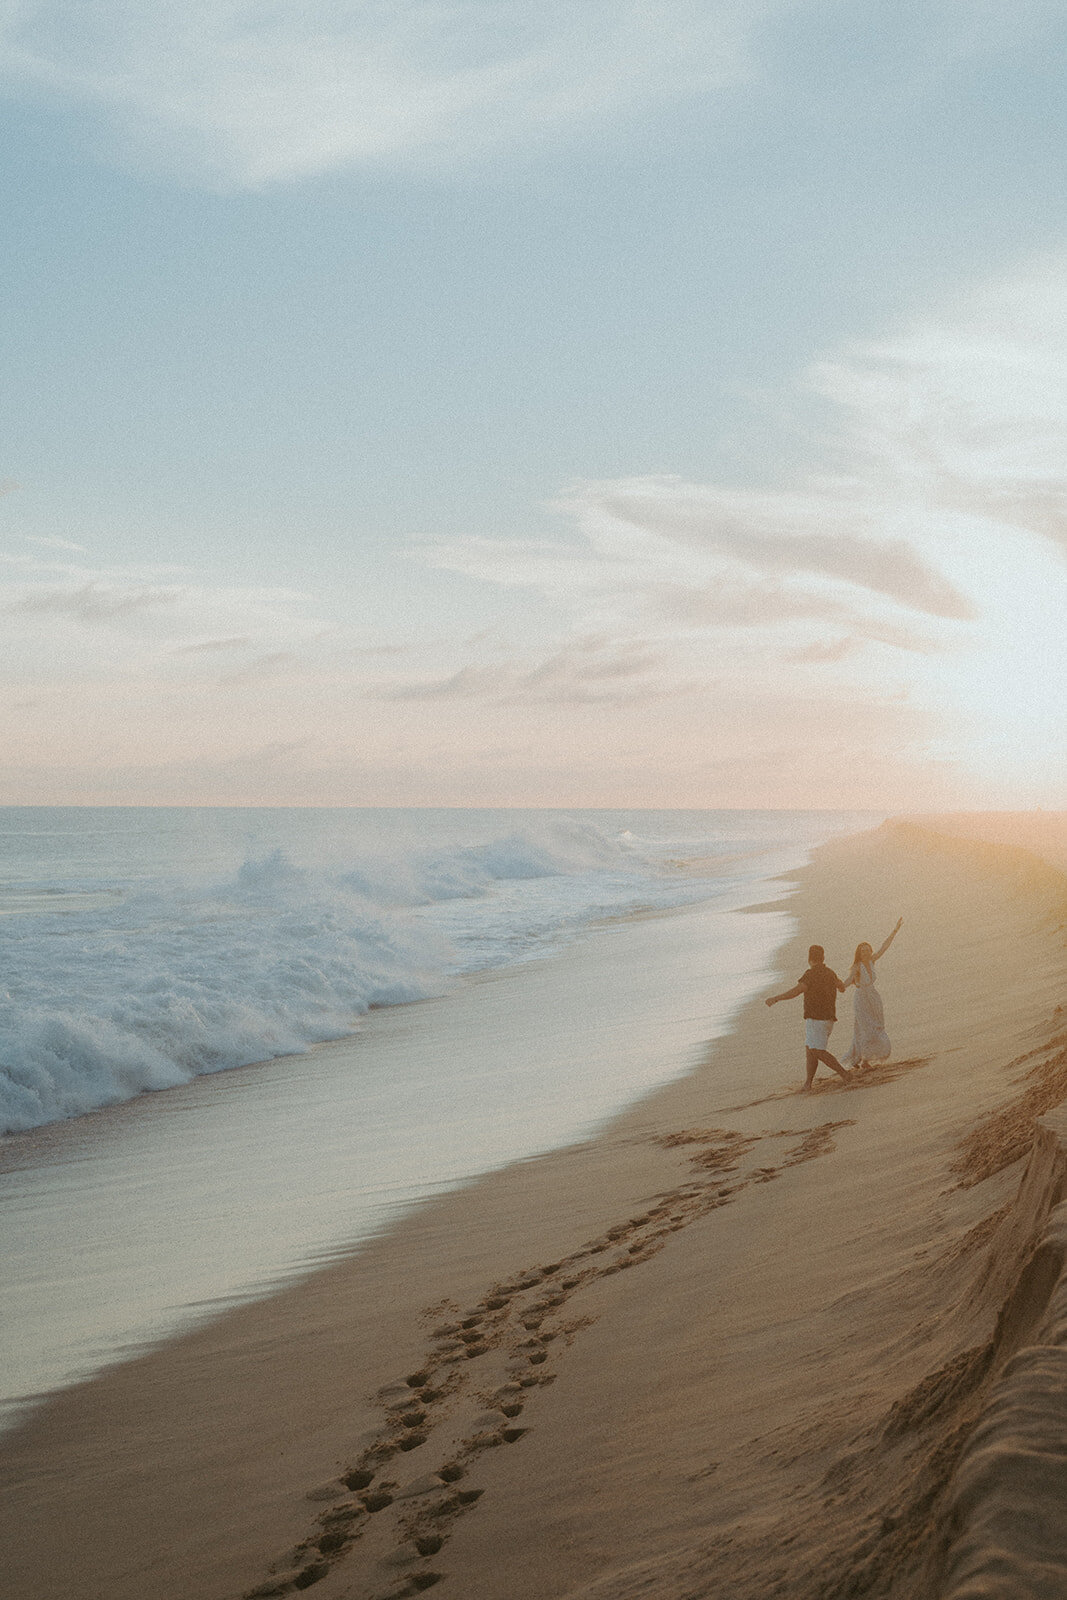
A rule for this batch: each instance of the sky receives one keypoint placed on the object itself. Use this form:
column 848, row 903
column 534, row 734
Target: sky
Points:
column 518, row 402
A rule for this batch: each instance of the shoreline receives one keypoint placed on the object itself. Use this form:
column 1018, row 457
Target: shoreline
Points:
column 229, row 942
column 362, row 1128
column 802, row 1265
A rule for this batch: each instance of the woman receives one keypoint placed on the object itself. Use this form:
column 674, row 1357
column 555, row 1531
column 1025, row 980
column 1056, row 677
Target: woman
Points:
column 870, row 1042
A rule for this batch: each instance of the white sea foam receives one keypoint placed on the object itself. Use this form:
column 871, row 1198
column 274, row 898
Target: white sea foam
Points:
column 163, row 986
column 129, row 965
column 167, row 981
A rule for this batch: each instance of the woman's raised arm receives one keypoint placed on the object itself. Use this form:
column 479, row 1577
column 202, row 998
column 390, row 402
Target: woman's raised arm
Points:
column 889, row 941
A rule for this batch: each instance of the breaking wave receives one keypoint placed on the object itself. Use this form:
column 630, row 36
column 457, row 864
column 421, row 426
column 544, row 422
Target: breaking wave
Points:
column 145, row 985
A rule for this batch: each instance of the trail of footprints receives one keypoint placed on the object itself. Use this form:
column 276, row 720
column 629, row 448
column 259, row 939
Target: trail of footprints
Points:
column 416, row 1473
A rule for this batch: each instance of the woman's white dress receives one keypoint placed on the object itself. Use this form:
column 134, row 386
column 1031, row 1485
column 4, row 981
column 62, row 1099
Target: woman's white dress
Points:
column 870, row 1042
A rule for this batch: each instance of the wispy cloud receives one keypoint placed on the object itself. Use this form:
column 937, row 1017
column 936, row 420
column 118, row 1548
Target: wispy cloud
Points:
column 967, row 410
column 884, row 626
column 671, row 569
column 115, row 627
column 264, row 666
column 592, row 670
column 210, row 646
column 587, row 671
column 919, row 557
column 794, row 533
column 94, row 602
column 357, row 650
column 821, row 653
column 47, row 543
column 469, row 682
column 726, row 603
column 254, row 92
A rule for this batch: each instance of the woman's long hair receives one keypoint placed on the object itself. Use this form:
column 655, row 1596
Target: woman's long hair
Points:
column 857, row 959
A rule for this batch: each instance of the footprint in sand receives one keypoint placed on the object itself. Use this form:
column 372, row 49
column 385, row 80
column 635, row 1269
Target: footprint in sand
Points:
column 486, row 1419
column 378, row 1501
column 327, row 1491
column 421, row 1517
column 427, row 1484
column 412, row 1419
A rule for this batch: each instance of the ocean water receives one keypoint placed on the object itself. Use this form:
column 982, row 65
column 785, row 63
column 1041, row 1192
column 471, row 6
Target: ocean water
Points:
column 233, row 1043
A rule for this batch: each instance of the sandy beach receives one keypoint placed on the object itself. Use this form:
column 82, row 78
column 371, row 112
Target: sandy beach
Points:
column 745, row 1343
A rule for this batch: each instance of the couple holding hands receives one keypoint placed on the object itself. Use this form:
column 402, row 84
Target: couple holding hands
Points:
column 820, row 987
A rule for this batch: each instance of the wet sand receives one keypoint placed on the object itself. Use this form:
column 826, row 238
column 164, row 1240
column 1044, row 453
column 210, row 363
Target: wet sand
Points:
column 746, row 1343
column 142, row 1220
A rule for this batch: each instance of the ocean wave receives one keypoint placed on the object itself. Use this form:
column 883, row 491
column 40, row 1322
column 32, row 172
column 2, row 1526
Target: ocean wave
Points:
column 169, row 981
column 466, row 871
column 101, row 1006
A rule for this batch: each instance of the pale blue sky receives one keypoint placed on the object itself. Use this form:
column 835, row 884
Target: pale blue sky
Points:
column 313, row 316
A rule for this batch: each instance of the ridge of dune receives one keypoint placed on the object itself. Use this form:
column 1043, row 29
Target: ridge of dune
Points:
column 1037, row 863
column 1004, row 1525
column 1041, row 833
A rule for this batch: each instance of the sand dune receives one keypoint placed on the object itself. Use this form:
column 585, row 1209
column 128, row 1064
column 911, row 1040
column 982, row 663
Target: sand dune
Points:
column 1003, row 1521
column 747, row 1343
column 1042, row 833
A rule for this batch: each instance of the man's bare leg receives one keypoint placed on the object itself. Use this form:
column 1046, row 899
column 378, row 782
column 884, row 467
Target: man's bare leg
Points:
column 812, row 1059
column 832, row 1062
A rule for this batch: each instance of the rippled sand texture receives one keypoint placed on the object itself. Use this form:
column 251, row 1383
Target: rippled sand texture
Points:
column 747, row 1343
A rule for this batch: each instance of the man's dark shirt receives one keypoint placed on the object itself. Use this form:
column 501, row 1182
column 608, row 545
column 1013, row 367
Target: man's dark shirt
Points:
column 820, row 993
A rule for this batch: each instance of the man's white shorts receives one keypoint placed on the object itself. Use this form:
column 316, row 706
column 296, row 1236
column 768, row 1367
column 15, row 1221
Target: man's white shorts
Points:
column 817, row 1033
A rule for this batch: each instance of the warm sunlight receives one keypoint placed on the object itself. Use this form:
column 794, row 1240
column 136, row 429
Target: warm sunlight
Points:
column 533, row 746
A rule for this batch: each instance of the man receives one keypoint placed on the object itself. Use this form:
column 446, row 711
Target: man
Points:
column 820, row 987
